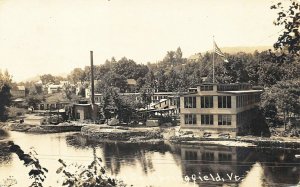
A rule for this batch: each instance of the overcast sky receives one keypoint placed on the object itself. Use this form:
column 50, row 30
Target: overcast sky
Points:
column 55, row 36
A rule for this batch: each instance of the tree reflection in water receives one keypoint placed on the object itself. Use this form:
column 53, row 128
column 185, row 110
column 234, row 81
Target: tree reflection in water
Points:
column 115, row 154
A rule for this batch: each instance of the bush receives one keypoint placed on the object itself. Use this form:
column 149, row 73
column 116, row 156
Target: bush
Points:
column 14, row 112
column 166, row 119
column 3, row 133
column 73, row 175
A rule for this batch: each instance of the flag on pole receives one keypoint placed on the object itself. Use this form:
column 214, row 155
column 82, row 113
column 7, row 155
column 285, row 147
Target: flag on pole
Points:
column 219, row 52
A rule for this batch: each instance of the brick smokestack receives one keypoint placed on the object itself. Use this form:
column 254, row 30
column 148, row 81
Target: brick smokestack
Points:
column 92, row 79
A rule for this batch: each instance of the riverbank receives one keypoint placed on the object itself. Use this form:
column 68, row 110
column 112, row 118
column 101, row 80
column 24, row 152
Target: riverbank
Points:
column 240, row 141
column 106, row 133
column 40, row 129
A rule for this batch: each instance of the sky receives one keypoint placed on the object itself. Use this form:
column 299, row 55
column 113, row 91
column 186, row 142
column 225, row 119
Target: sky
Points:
column 55, row 36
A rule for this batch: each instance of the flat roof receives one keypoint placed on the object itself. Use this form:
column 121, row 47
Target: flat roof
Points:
column 241, row 91
column 77, row 104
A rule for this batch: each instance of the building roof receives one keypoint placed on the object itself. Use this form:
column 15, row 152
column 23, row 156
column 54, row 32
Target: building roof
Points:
column 55, row 86
column 241, row 91
column 19, row 100
column 21, row 88
column 77, row 104
column 131, row 81
column 165, row 93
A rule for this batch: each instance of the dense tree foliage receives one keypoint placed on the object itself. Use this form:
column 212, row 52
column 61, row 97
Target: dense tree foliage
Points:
column 5, row 96
column 51, row 79
column 283, row 97
column 288, row 17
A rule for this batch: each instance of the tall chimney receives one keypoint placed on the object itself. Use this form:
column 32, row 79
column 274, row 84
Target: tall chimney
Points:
column 92, row 79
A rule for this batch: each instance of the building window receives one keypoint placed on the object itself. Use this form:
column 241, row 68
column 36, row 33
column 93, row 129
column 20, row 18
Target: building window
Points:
column 208, row 156
column 190, row 102
column 224, row 101
column 77, row 115
column 207, row 119
column 224, row 119
column 207, row 102
column 190, row 155
column 206, row 88
column 190, row 119
column 225, row 157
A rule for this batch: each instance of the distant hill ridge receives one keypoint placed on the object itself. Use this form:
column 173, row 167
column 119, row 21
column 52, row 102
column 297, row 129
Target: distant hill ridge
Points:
column 233, row 50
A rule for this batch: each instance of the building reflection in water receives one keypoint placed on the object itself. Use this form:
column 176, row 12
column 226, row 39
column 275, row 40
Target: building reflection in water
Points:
column 255, row 166
column 211, row 161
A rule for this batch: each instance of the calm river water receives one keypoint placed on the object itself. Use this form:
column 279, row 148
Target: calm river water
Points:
column 161, row 164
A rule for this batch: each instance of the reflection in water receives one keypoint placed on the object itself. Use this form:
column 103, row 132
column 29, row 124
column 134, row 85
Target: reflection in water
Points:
column 114, row 154
column 254, row 166
column 159, row 164
column 5, row 155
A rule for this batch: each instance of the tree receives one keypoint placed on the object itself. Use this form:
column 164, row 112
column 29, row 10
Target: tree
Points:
column 77, row 75
column 161, row 80
column 47, row 78
column 33, row 100
column 125, row 109
column 170, row 58
column 172, row 81
column 129, row 69
column 69, row 92
column 114, row 80
column 5, row 96
column 285, row 96
column 110, row 95
column 289, row 18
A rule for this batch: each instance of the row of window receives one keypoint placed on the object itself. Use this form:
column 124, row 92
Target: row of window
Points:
column 245, row 100
column 233, row 87
column 207, row 119
column 208, row 102
column 190, row 102
column 206, row 87
column 209, row 156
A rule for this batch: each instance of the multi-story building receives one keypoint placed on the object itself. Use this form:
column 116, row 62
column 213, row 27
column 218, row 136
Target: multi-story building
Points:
column 218, row 109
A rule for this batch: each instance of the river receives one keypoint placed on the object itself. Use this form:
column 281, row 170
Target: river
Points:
column 155, row 165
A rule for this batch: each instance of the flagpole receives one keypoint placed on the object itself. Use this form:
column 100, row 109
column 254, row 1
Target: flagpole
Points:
column 213, row 59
